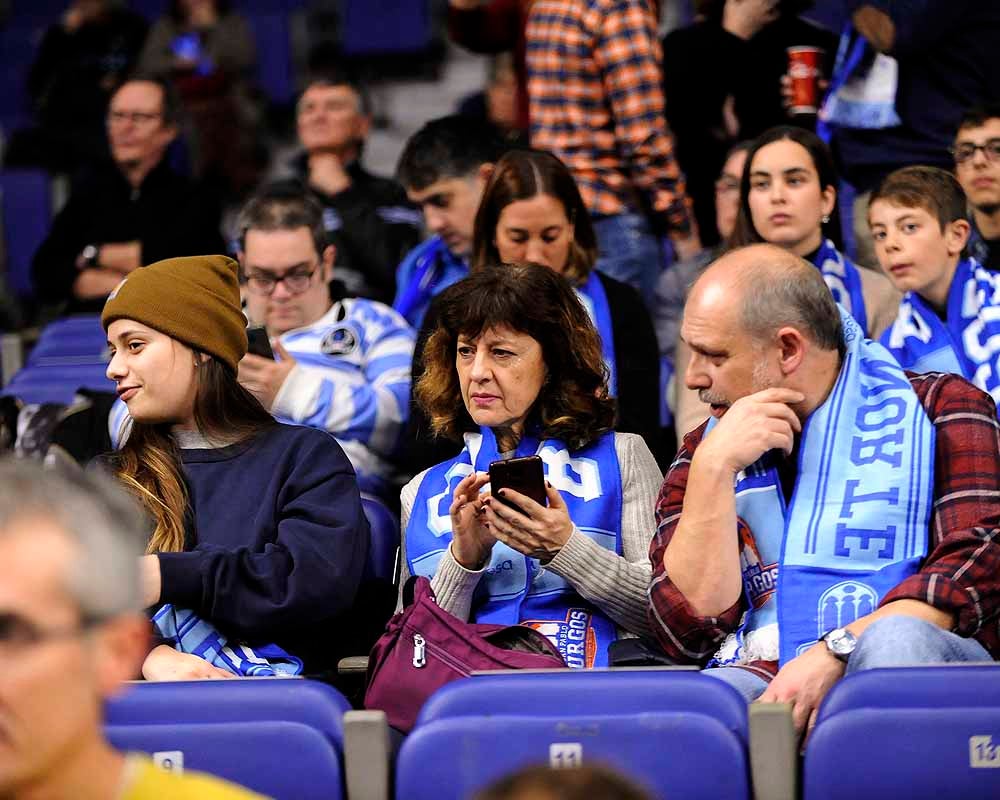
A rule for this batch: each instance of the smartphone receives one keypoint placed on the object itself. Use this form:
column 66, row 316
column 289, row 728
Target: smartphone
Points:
column 259, row 343
column 524, row 475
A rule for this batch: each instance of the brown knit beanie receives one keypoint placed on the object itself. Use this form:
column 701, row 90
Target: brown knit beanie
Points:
column 195, row 299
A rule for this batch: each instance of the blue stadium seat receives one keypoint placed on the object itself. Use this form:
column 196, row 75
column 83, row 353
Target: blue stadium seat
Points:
column 384, row 27
column 57, row 383
column 274, row 55
column 78, row 339
column 384, row 540
column 679, row 733
column 915, row 732
column 240, row 700
column 26, row 202
column 283, row 760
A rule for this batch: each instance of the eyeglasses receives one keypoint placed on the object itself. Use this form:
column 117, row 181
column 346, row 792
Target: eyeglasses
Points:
column 135, row 117
column 967, row 150
column 295, row 282
column 726, row 183
column 17, row 634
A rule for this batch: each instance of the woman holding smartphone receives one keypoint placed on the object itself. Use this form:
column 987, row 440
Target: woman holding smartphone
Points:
column 514, row 368
column 257, row 527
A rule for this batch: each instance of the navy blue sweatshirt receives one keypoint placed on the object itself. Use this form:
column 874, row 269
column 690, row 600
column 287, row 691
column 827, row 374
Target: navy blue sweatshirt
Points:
column 948, row 62
column 278, row 542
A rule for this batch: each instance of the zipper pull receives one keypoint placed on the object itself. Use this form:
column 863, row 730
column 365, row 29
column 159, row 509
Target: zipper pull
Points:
column 419, row 658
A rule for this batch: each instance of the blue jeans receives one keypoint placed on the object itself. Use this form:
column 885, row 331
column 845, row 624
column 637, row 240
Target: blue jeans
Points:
column 896, row 641
column 629, row 252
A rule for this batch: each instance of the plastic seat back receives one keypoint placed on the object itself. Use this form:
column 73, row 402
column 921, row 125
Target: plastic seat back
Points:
column 668, row 729
column 384, row 539
column 283, row 760
column 241, row 700
column 908, row 732
column 26, row 202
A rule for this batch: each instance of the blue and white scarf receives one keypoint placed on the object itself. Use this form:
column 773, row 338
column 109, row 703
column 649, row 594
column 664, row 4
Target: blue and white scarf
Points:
column 858, row 518
column 966, row 343
column 844, row 281
column 428, row 270
column 595, row 300
column 862, row 91
column 189, row 633
column 516, row 589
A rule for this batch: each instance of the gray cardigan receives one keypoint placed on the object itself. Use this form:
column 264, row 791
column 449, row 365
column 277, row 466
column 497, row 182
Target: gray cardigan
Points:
column 616, row 584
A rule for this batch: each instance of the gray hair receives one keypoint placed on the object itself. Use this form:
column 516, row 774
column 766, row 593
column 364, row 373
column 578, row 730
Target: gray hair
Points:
column 790, row 292
column 96, row 515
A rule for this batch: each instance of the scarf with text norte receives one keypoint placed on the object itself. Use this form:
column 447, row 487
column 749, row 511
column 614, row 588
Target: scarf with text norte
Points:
column 966, row 342
column 516, row 589
column 857, row 522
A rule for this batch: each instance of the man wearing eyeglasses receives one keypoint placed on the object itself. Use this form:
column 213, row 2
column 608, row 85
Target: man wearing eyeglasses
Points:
column 342, row 366
column 977, row 167
column 132, row 211
column 71, row 631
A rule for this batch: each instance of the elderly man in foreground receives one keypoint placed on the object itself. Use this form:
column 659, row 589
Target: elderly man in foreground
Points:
column 71, row 631
column 835, row 513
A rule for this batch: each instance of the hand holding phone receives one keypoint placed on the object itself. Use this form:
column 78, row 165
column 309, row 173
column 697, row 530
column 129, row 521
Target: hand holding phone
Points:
column 524, row 475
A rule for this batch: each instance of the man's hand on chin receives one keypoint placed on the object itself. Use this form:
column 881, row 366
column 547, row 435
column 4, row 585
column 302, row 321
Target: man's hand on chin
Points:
column 804, row 682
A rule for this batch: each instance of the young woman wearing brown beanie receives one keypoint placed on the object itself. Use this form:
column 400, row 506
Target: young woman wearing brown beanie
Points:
column 257, row 527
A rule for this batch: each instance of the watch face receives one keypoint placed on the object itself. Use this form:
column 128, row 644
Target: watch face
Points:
column 841, row 642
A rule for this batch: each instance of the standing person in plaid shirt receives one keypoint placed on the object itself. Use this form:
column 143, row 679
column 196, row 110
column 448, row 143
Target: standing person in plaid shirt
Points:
column 835, row 513
column 596, row 101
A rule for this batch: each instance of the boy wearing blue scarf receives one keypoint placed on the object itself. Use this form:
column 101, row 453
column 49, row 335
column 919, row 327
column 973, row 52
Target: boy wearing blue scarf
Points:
column 835, row 514
column 947, row 319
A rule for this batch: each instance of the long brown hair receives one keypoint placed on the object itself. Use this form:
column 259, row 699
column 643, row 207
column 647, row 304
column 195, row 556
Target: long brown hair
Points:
column 521, row 175
column 745, row 232
column 149, row 463
column 573, row 404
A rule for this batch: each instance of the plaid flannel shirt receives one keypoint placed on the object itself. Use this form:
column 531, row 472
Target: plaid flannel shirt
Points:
column 961, row 573
column 596, row 101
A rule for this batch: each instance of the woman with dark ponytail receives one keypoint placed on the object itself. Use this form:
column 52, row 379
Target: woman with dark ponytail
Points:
column 258, row 535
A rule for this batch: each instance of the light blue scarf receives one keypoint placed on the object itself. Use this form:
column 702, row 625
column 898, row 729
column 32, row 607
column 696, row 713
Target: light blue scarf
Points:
column 858, row 519
column 862, row 91
column 516, row 589
column 189, row 633
column 967, row 343
column 595, row 300
column 844, row 281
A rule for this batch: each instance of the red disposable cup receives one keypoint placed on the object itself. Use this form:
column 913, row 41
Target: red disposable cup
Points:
column 803, row 69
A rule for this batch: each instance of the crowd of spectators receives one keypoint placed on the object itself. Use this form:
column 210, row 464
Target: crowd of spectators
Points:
column 626, row 257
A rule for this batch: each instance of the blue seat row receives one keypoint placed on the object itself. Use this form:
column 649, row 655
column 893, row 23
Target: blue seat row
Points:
column 913, row 732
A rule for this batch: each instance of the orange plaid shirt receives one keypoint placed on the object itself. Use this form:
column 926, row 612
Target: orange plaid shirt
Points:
column 596, row 101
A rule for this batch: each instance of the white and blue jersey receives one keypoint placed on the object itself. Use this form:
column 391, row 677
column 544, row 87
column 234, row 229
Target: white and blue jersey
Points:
column 352, row 378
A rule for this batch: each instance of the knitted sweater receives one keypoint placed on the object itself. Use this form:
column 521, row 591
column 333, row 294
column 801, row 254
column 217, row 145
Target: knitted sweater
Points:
column 616, row 584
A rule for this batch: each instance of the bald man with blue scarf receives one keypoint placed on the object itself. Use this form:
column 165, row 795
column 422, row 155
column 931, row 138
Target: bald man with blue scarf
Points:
column 835, row 513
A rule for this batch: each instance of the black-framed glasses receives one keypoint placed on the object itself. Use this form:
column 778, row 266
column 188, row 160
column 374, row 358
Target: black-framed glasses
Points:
column 295, row 282
column 967, row 150
column 135, row 117
column 18, row 633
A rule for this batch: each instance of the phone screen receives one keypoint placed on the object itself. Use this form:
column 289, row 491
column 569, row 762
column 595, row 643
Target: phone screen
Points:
column 259, row 343
column 524, row 475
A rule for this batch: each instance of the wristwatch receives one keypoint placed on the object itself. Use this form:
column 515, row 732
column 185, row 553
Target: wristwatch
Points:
column 840, row 642
column 89, row 255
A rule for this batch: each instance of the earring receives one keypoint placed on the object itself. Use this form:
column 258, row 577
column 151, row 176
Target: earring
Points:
column 825, row 218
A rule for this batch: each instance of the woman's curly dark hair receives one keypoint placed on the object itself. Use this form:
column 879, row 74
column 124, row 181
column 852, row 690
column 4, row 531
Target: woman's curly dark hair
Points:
column 573, row 405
